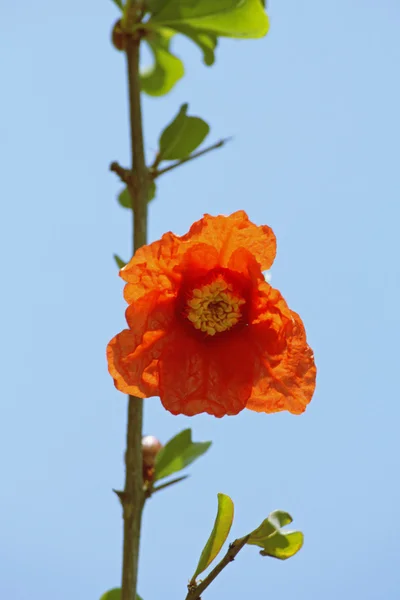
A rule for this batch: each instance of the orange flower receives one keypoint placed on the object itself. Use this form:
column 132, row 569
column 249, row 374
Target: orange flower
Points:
column 206, row 332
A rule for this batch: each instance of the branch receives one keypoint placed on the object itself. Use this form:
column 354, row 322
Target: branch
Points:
column 153, row 490
column 157, row 172
column 133, row 495
column 124, row 174
column 195, row 591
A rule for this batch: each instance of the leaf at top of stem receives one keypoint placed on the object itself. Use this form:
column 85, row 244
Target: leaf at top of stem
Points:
column 273, row 541
column 154, row 6
column 167, row 69
column 182, row 136
column 230, row 18
column 222, row 526
column 206, row 41
column 178, row 453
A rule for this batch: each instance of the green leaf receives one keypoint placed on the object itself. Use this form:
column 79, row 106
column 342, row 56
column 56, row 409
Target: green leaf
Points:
column 120, row 263
column 221, row 529
column 115, row 594
column 206, row 41
column 155, row 5
column 178, row 453
column 283, row 546
column 151, row 190
column 167, row 69
column 182, row 136
column 280, row 518
column 231, row 18
column 273, row 541
column 124, row 197
column 119, row 4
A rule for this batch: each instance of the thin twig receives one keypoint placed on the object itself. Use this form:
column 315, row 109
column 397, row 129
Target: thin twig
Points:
column 157, row 172
column 195, row 591
column 157, row 160
column 133, row 497
column 153, row 490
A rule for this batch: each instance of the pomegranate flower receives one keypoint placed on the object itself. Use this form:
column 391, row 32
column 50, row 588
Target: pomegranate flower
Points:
column 206, row 332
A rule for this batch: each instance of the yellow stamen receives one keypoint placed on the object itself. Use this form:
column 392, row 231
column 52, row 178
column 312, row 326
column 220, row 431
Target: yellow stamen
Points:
column 214, row 307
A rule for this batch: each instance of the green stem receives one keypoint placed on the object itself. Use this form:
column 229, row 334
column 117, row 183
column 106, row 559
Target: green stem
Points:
column 195, row 591
column 133, row 497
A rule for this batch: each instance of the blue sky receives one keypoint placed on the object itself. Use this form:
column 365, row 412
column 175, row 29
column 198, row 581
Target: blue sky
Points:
column 314, row 113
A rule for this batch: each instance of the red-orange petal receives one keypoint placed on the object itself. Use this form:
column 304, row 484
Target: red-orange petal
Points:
column 126, row 367
column 227, row 234
column 286, row 371
column 212, row 376
column 198, row 259
column 266, row 366
column 133, row 353
column 154, row 266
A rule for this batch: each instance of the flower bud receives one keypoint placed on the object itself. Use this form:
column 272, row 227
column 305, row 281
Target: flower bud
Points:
column 151, row 446
column 118, row 36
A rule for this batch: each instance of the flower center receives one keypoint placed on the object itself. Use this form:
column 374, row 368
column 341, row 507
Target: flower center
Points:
column 214, row 307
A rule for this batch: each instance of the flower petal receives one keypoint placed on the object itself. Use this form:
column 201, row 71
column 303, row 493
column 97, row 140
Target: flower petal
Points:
column 152, row 267
column 286, row 371
column 212, row 376
column 198, row 259
column 242, row 261
column 227, row 234
column 132, row 355
column 264, row 363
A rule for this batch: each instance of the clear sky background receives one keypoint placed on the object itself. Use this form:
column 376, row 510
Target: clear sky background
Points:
column 314, row 110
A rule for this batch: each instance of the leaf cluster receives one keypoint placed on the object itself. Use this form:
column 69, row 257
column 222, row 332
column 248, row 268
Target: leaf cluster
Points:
column 268, row 536
column 203, row 22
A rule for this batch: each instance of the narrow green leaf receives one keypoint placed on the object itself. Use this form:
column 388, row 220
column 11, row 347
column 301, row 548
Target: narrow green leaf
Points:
column 231, row 18
column 206, row 41
column 221, row 529
column 182, row 136
column 115, row 594
column 167, row 68
column 119, row 4
column 273, row 541
column 178, row 453
column 120, row 263
column 124, row 198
